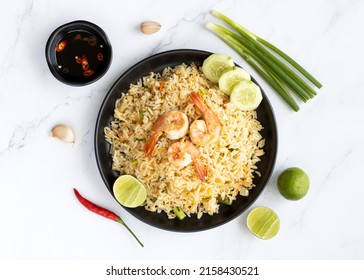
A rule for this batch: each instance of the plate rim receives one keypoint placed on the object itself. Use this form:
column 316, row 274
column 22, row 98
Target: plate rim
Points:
column 130, row 211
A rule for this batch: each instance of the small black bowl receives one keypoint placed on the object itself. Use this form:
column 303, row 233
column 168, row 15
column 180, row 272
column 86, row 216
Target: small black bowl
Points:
column 78, row 53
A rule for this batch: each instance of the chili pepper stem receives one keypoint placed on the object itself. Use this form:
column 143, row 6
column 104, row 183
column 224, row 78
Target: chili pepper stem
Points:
column 120, row 221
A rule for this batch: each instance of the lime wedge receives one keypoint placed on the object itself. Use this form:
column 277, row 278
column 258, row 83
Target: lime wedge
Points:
column 129, row 192
column 263, row 222
column 215, row 65
column 246, row 95
column 231, row 77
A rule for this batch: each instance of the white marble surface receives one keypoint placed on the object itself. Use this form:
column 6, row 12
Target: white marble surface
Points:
column 40, row 218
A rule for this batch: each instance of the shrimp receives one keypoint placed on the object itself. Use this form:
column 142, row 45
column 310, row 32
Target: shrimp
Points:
column 203, row 132
column 174, row 124
column 182, row 153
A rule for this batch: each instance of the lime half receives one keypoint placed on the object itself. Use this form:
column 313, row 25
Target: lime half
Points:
column 231, row 77
column 215, row 65
column 129, row 192
column 246, row 95
column 263, row 222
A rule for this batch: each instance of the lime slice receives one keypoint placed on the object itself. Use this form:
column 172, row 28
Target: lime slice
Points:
column 263, row 222
column 246, row 95
column 215, row 64
column 293, row 183
column 231, row 77
column 129, row 191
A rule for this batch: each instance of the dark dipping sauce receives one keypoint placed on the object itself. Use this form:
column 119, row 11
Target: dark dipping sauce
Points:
column 80, row 55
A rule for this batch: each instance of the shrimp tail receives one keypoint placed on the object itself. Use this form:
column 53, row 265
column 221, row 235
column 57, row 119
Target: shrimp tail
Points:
column 150, row 145
column 197, row 100
column 200, row 169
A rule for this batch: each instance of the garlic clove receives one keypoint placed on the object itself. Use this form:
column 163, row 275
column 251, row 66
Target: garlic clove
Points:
column 150, row 27
column 63, row 133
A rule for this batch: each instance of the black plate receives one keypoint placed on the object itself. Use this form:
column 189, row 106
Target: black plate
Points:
column 157, row 63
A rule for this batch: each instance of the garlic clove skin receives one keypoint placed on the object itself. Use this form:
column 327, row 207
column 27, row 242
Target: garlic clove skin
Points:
column 150, row 27
column 63, row 133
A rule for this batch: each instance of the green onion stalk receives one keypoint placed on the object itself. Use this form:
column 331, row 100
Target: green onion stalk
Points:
column 276, row 67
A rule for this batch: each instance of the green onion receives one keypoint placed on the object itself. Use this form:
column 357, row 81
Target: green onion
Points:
column 275, row 66
column 141, row 115
column 179, row 213
column 225, row 200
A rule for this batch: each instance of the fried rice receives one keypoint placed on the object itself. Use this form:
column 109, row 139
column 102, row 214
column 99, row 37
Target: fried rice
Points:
column 230, row 161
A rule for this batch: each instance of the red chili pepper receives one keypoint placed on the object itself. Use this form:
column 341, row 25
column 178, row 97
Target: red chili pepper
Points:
column 78, row 59
column 84, row 63
column 103, row 212
column 100, row 56
column 88, row 73
column 61, row 45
